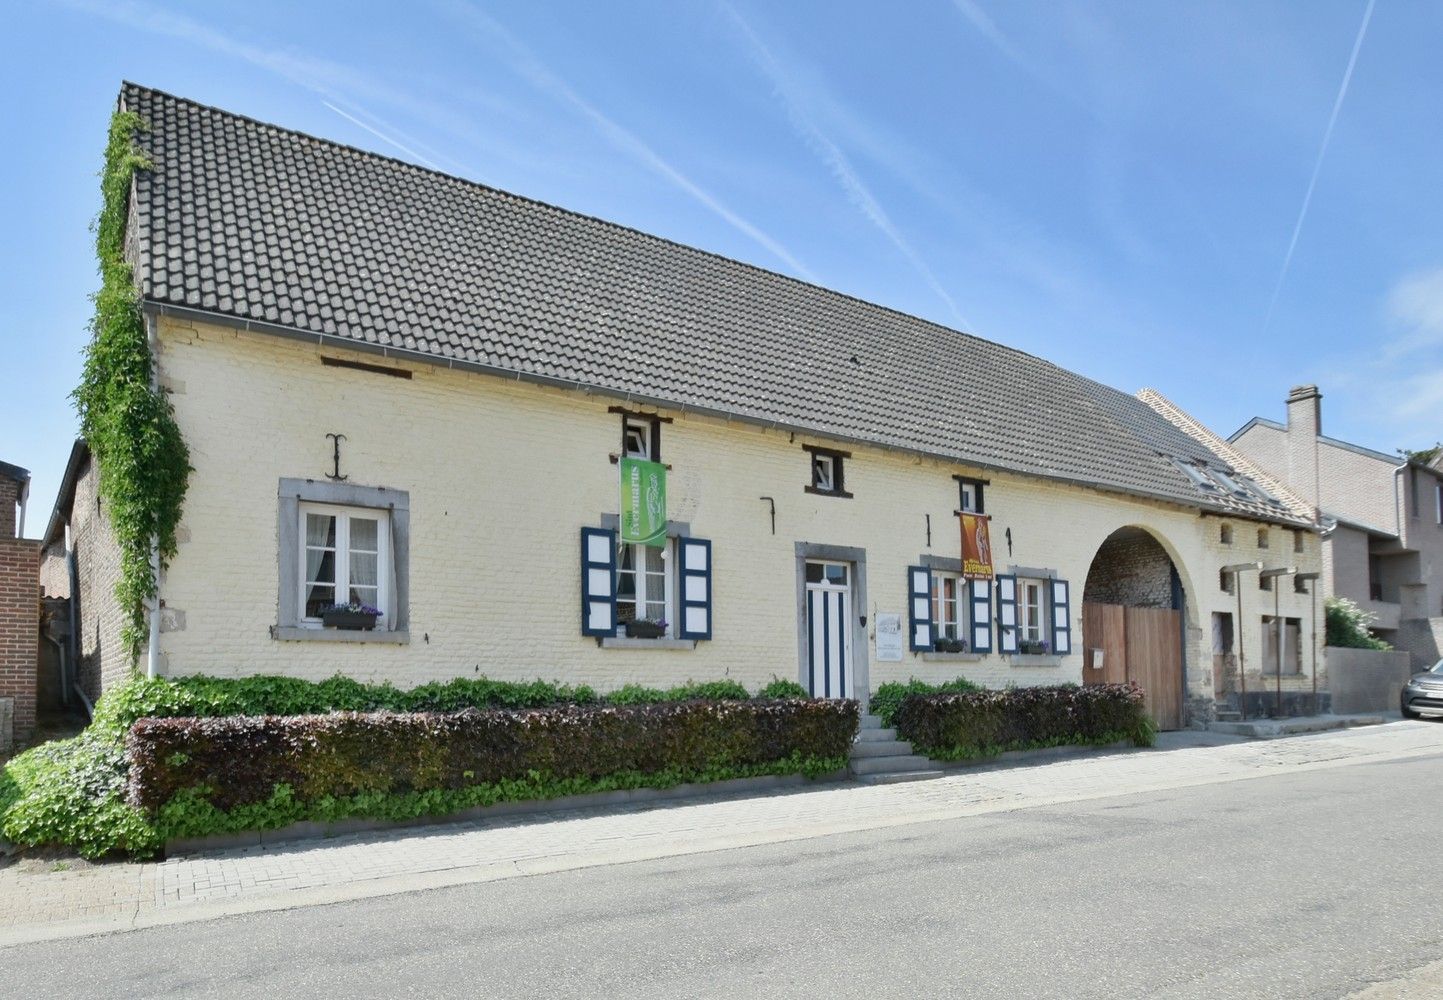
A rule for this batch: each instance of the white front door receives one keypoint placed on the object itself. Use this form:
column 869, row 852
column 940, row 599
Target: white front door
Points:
column 829, row 629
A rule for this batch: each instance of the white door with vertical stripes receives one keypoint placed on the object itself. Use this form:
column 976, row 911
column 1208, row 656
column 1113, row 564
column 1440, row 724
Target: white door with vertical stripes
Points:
column 829, row 629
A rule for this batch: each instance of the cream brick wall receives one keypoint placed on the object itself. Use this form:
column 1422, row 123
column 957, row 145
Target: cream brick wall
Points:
column 502, row 476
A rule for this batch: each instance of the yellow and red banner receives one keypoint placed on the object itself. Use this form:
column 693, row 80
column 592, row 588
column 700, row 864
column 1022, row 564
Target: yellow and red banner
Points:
column 976, row 547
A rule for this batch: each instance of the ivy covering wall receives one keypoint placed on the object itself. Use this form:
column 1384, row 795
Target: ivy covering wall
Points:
column 129, row 425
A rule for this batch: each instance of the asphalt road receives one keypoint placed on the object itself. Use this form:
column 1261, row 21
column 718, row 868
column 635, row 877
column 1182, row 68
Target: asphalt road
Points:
column 1314, row 884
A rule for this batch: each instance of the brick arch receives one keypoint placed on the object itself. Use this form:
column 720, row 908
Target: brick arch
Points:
column 1132, row 568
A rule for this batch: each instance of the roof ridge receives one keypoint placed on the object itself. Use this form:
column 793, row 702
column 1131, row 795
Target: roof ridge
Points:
column 1179, row 417
column 453, row 178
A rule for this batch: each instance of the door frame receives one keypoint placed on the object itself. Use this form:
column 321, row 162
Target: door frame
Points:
column 857, row 557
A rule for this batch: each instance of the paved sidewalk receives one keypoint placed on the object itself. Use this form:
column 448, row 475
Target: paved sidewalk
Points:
column 37, row 903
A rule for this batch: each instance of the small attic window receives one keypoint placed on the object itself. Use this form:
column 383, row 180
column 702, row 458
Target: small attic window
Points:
column 1225, row 534
column 1262, row 538
column 1197, row 475
column 1297, row 541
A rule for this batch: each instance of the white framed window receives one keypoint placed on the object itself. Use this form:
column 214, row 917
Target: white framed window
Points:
column 1031, row 610
column 344, row 558
column 969, row 494
column 828, row 471
column 645, row 584
column 948, row 602
column 639, row 438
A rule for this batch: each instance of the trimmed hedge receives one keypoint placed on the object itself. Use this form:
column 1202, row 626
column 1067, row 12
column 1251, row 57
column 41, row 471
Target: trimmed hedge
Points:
column 198, row 776
column 73, row 792
column 200, row 696
column 986, row 723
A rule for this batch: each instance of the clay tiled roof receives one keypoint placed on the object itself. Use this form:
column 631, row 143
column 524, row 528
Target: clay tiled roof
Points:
column 259, row 225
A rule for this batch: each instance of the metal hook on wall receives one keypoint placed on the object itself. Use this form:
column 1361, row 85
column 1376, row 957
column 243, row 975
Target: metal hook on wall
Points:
column 336, row 458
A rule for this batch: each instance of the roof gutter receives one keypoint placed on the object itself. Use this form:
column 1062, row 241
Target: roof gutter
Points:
column 154, row 309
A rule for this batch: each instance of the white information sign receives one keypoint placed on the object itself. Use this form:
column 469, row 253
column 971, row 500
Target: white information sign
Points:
column 889, row 636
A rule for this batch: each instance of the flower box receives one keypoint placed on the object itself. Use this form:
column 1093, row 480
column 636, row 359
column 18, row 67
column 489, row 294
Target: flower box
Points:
column 643, row 629
column 1032, row 647
column 945, row 644
column 349, row 620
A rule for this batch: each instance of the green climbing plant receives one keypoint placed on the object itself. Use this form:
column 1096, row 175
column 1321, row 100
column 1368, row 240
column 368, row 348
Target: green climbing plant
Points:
column 127, row 422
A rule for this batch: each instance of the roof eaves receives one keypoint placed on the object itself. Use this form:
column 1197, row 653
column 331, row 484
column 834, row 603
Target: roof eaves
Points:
column 65, row 496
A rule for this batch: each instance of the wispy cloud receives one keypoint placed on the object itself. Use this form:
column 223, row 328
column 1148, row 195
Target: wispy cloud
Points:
column 1318, row 163
column 543, row 78
column 1415, row 306
column 794, row 102
column 338, row 86
column 382, row 136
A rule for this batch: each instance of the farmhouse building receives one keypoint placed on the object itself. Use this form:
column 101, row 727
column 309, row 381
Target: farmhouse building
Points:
column 419, row 394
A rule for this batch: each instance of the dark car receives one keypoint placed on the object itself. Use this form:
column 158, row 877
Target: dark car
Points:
column 1423, row 694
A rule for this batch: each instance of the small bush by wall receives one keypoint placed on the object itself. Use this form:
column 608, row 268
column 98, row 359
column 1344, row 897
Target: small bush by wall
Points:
column 1348, row 626
column 199, row 776
column 985, row 723
column 889, row 696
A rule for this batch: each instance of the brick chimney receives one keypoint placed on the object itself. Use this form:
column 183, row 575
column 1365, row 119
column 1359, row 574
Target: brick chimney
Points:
column 1305, row 423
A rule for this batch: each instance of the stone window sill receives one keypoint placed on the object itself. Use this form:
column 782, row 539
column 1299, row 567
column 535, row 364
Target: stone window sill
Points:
column 935, row 657
column 622, row 642
column 294, row 633
column 1034, row 660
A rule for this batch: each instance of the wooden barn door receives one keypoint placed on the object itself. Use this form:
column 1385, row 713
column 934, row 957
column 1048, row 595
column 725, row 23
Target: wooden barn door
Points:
column 1137, row 644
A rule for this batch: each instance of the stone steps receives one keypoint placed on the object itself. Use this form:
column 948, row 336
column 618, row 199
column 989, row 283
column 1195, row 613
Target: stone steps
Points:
column 879, row 758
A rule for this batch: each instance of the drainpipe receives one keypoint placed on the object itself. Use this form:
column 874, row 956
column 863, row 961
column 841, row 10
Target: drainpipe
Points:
column 1398, row 500
column 152, row 655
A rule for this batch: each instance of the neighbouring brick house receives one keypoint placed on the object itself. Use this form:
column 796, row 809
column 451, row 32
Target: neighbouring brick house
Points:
column 1382, row 517
column 80, row 555
column 417, row 392
column 19, row 612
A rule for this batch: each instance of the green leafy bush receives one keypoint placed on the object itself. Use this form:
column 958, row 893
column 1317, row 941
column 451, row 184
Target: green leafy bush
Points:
column 889, row 697
column 72, row 792
column 636, row 694
column 778, row 688
column 1348, row 625
column 129, row 425
column 201, row 696
column 985, row 723
column 202, row 775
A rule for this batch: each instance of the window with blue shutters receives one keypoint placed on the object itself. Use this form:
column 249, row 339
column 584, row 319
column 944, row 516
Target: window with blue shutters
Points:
column 979, row 615
column 1006, row 614
column 696, row 588
column 598, row 582
column 1061, row 618
column 919, row 608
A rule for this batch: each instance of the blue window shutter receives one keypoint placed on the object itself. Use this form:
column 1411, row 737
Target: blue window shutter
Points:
column 979, row 615
column 1007, row 630
column 919, row 608
column 598, row 581
column 695, row 602
column 1061, row 618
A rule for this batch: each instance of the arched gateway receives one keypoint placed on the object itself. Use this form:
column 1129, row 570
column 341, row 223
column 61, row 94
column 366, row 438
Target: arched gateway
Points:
column 1132, row 622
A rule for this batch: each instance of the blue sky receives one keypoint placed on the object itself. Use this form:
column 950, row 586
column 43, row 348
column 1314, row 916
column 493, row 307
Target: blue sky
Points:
column 1116, row 187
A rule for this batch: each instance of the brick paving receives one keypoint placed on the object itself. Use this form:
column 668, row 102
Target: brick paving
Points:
column 37, row 900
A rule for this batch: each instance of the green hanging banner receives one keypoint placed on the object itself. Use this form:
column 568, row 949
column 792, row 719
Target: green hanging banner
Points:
column 643, row 502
